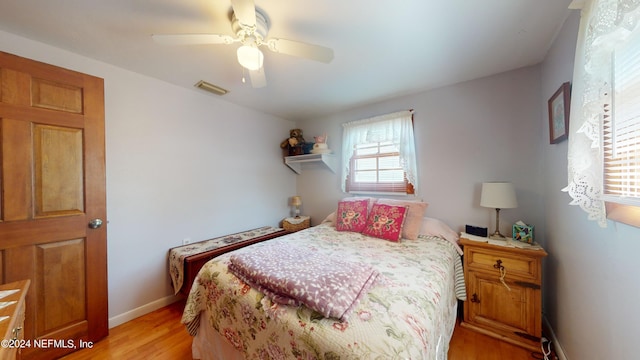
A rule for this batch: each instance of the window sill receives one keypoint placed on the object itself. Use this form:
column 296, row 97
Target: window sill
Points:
column 626, row 214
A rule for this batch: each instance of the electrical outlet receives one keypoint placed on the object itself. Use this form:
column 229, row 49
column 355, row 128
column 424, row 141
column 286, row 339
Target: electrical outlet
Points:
column 186, row 241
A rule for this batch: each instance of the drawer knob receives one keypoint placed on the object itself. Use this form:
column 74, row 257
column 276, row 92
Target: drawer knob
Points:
column 474, row 298
column 503, row 273
column 498, row 265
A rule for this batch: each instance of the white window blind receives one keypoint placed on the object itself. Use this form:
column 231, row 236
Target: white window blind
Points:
column 621, row 126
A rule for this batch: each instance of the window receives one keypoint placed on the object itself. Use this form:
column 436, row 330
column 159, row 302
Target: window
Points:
column 379, row 155
column 621, row 133
column 604, row 139
column 375, row 167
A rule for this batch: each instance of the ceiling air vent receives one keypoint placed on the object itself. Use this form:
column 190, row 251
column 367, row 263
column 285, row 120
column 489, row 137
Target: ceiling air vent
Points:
column 211, row 88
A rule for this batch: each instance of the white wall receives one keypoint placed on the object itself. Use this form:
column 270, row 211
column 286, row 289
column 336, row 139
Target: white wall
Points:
column 590, row 282
column 180, row 164
column 482, row 130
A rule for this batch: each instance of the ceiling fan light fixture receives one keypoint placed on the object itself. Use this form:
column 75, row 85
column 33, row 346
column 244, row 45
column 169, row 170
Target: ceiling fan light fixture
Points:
column 250, row 57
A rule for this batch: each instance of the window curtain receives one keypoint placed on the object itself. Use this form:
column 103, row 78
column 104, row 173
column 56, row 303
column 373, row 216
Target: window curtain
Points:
column 396, row 127
column 604, row 24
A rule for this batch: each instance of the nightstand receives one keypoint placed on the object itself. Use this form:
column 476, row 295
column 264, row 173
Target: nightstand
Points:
column 503, row 291
column 294, row 224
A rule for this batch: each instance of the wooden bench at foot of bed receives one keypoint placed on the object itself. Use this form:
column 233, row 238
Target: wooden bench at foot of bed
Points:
column 185, row 261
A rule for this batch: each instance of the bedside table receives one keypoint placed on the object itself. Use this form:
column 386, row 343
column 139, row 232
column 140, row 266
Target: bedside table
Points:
column 294, row 224
column 503, row 291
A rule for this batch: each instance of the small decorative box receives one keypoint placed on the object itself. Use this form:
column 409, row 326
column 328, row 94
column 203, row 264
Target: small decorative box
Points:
column 523, row 232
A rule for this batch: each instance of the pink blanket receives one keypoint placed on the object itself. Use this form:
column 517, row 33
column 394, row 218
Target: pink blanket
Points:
column 293, row 275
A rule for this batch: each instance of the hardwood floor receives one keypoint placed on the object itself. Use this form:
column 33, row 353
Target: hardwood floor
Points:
column 467, row 344
column 160, row 336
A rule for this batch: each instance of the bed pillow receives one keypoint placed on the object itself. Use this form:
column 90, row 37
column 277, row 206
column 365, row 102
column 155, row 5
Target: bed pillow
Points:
column 435, row 227
column 352, row 215
column 385, row 222
column 413, row 221
column 370, row 200
column 331, row 218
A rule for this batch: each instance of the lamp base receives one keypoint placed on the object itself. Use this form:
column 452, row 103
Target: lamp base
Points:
column 496, row 235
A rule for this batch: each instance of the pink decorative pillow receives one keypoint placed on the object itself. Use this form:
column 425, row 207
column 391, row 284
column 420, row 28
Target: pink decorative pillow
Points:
column 385, row 222
column 351, row 215
column 413, row 221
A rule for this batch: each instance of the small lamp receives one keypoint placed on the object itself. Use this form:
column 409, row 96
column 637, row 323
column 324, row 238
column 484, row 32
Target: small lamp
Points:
column 498, row 195
column 296, row 201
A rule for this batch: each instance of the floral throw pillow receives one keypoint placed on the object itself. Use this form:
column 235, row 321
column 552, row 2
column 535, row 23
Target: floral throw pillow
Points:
column 385, row 222
column 351, row 215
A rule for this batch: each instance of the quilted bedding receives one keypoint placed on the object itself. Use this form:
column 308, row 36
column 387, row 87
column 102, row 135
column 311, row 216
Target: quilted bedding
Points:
column 409, row 313
column 293, row 275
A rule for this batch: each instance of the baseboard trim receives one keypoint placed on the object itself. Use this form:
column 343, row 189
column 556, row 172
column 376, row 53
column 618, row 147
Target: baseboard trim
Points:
column 556, row 344
column 142, row 310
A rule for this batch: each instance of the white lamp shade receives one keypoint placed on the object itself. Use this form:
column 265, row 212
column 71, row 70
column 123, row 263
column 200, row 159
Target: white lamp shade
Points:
column 498, row 195
column 250, row 57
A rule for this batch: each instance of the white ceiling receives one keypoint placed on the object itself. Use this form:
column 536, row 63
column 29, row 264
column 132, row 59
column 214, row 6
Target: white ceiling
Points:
column 382, row 48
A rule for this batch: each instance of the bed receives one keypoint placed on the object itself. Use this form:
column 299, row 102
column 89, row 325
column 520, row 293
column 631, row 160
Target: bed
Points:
column 408, row 313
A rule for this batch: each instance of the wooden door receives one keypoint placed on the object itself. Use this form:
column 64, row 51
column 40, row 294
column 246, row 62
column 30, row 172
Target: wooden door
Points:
column 52, row 177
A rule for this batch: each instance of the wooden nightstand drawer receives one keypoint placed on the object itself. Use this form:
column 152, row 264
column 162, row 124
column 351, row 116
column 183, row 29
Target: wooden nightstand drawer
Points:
column 512, row 264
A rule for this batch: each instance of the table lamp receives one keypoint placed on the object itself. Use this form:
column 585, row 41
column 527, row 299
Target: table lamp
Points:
column 296, row 201
column 498, row 195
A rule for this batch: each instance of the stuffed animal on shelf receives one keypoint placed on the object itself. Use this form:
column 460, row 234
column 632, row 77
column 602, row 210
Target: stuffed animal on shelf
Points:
column 294, row 142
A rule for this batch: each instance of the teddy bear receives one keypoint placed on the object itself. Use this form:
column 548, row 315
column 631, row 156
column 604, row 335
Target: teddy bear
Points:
column 294, row 143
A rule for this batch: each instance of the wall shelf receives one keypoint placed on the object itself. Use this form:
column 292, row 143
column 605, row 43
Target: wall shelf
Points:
column 296, row 162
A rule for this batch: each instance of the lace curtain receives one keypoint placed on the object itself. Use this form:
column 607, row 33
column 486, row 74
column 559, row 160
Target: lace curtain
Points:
column 604, row 24
column 396, row 127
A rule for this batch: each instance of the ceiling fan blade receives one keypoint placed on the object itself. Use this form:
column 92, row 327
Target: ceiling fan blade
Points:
column 300, row 49
column 245, row 11
column 193, row 39
column 258, row 78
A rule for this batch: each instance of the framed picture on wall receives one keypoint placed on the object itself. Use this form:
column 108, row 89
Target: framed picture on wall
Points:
column 559, row 114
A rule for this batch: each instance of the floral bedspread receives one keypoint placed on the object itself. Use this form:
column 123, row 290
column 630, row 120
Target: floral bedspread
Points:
column 409, row 313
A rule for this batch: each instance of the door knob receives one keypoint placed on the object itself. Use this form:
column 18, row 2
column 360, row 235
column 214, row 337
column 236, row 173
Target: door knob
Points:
column 95, row 223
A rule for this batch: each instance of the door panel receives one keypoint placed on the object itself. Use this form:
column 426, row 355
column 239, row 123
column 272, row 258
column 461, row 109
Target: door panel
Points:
column 63, row 304
column 57, row 96
column 52, row 177
column 59, row 178
column 16, row 159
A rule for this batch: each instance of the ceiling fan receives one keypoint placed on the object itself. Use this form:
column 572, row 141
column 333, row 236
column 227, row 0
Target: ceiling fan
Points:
column 251, row 26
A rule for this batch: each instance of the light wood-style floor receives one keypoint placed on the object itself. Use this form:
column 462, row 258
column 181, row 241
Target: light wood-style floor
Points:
column 160, row 336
